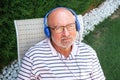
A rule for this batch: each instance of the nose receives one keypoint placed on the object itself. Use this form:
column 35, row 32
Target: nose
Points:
column 65, row 32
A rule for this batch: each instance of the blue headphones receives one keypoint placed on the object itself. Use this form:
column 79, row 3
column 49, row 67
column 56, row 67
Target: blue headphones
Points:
column 46, row 27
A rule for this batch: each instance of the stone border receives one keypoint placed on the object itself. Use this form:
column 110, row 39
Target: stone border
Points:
column 97, row 15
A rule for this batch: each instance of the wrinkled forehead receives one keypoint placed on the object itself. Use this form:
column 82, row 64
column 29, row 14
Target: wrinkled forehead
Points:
column 58, row 11
column 60, row 15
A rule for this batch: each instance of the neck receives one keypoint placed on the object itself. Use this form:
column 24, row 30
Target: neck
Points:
column 64, row 51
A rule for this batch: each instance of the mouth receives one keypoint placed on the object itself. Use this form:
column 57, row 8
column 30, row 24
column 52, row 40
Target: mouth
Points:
column 66, row 40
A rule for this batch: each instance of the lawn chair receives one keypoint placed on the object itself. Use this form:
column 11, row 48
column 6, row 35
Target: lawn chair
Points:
column 30, row 32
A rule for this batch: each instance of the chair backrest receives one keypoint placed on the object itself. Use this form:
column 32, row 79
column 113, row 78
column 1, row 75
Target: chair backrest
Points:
column 30, row 32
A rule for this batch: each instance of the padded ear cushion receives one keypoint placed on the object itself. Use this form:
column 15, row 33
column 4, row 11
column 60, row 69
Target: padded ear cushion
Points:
column 47, row 31
column 77, row 25
column 46, row 28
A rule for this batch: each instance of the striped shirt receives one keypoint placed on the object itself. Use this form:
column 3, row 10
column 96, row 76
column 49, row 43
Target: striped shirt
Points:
column 43, row 62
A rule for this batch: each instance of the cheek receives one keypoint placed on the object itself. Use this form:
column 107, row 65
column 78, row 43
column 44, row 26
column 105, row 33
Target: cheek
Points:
column 73, row 34
column 56, row 37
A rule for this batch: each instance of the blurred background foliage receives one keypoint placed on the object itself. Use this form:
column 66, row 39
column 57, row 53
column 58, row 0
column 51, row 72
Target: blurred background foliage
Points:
column 11, row 10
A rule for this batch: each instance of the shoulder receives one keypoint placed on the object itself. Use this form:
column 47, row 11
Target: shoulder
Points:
column 85, row 48
column 39, row 48
column 83, row 45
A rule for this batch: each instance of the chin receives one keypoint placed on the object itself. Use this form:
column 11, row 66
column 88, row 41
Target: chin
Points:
column 67, row 45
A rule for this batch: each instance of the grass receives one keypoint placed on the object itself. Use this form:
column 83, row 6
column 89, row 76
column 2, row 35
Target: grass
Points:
column 105, row 39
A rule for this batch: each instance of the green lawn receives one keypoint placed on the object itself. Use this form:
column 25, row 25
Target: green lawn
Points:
column 105, row 39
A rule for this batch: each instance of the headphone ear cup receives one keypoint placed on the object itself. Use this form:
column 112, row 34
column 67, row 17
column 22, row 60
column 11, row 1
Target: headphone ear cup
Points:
column 47, row 31
column 77, row 25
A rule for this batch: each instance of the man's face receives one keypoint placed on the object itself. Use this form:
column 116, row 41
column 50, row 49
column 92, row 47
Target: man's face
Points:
column 63, row 28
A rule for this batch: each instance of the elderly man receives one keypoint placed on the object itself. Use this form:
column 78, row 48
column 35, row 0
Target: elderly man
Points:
column 60, row 56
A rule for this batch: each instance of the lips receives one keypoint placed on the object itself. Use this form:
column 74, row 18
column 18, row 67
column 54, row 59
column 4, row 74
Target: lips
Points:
column 66, row 40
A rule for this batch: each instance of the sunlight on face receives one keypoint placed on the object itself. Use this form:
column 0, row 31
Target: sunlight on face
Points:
column 62, row 18
column 63, row 40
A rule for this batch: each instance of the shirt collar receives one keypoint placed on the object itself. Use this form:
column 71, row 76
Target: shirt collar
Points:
column 73, row 52
column 54, row 52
